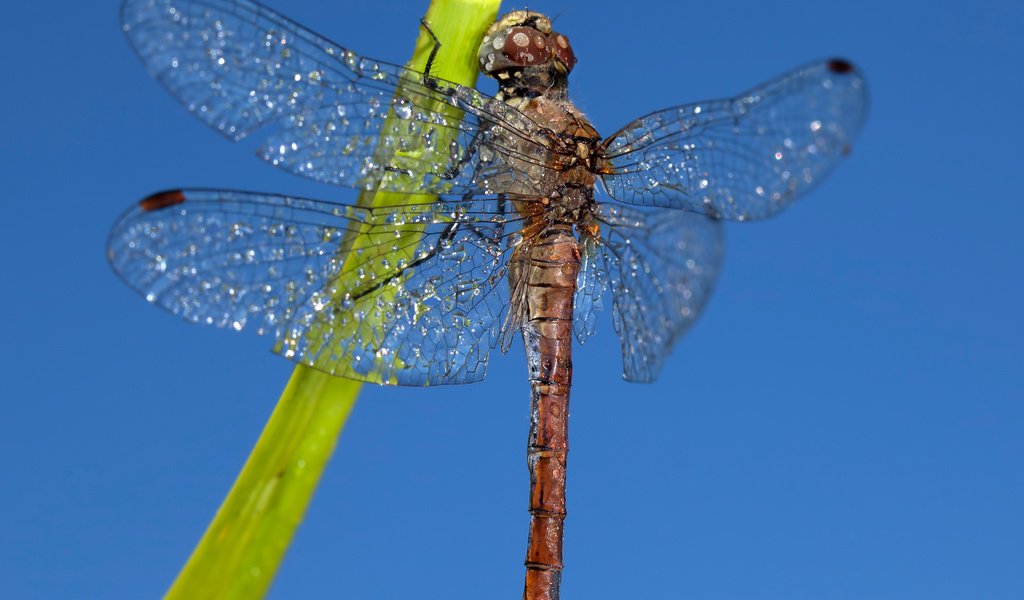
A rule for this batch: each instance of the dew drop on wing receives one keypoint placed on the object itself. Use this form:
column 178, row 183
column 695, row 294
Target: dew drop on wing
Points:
column 403, row 107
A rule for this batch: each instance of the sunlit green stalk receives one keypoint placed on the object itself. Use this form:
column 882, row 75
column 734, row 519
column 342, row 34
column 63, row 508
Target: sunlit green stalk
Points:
column 241, row 550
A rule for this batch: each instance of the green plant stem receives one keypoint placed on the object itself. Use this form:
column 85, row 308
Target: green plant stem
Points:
column 242, row 548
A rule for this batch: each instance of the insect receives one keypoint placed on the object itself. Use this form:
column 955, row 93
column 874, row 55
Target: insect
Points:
column 516, row 216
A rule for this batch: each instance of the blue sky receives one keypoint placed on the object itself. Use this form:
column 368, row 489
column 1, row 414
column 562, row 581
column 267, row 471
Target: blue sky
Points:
column 846, row 421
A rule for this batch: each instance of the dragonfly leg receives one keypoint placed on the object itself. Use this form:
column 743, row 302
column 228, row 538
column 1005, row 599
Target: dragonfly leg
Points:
column 470, row 151
column 494, row 239
column 427, row 79
column 447, row 235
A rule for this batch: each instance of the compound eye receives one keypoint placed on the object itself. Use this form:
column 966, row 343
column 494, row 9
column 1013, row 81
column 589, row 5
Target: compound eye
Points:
column 526, row 46
column 560, row 44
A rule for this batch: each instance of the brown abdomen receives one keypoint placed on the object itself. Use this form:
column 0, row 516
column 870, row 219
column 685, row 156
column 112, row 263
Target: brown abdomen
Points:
column 551, row 267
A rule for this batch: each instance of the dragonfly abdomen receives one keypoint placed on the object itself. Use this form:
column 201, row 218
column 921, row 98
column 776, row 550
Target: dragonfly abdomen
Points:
column 551, row 266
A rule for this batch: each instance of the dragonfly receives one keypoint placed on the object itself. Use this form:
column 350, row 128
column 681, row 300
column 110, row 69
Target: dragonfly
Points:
column 513, row 217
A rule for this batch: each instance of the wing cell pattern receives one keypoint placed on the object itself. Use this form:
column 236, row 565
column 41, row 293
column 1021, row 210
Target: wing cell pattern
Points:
column 326, row 112
column 741, row 158
column 419, row 299
column 659, row 267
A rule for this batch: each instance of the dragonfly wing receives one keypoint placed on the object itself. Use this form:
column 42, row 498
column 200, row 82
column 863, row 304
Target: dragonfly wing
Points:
column 745, row 157
column 411, row 295
column 660, row 266
column 326, row 112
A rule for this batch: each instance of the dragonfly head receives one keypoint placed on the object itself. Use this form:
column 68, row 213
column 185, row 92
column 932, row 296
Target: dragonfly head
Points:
column 523, row 40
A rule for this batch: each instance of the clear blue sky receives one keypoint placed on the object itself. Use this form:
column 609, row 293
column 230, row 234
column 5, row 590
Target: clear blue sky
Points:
column 845, row 422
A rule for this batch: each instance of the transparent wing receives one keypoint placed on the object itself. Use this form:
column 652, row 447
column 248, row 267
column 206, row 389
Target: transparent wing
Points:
column 411, row 295
column 745, row 157
column 326, row 112
column 660, row 266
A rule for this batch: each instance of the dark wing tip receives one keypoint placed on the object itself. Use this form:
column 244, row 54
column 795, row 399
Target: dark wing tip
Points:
column 840, row 66
column 162, row 200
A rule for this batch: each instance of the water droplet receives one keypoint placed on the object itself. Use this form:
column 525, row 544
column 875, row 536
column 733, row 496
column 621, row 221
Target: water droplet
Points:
column 403, row 107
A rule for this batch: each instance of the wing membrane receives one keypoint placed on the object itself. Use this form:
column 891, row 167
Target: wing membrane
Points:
column 411, row 295
column 328, row 113
column 660, row 266
column 745, row 157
